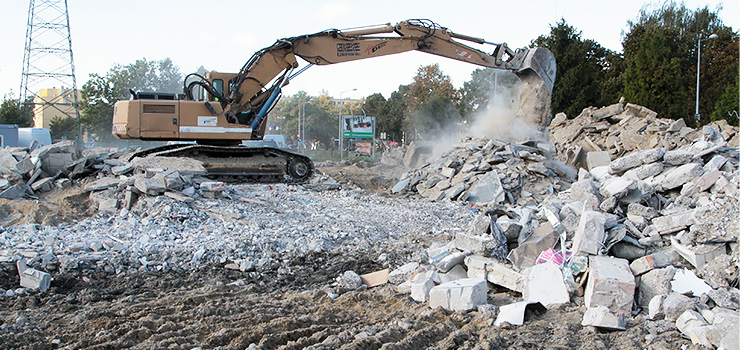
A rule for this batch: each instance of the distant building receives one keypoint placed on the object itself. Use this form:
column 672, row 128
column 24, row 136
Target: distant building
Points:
column 345, row 101
column 50, row 103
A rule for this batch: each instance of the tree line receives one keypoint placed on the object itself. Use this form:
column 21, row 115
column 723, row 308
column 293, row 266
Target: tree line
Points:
column 657, row 69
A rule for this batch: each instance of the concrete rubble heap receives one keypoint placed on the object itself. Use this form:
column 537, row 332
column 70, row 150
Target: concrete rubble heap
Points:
column 649, row 228
column 486, row 171
column 598, row 134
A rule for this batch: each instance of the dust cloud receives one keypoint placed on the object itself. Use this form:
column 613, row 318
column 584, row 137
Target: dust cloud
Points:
column 514, row 112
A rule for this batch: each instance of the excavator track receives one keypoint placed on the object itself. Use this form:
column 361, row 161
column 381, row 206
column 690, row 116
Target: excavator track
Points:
column 251, row 164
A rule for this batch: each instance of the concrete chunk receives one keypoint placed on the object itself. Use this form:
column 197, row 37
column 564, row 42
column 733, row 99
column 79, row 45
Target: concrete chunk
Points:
column 698, row 255
column 677, row 157
column 402, row 273
column 488, row 189
column 420, row 287
column 675, row 222
column 625, row 163
column 544, row 283
column 600, row 316
column 153, row 187
column 618, row 187
column 450, row 261
column 494, row 272
column 590, row 234
column 681, row 175
column 460, row 295
column 526, row 253
column 32, row 278
column 693, row 325
column 649, row 262
column 476, row 244
column 610, row 284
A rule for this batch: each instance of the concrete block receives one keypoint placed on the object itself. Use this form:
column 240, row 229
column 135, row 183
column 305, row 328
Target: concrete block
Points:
column 590, row 233
column 24, row 166
column 400, row 185
column 677, row 125
column 7, row 161
column 585, row 191
column 43, row 185
column 698, row 255
column 494, row 272
column 448, row 172
column 725, row 324
column 510, row 228
column 108, row 206
column 600, row 316
column 544, row 283
column 460, row 295
column 611, row 284
column 608, row 111
column 649, row 262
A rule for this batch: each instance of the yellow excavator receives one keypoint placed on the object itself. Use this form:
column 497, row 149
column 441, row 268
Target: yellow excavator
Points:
column 236, row 105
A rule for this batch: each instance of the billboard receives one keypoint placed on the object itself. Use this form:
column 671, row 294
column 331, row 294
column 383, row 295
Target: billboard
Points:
column 358, row 126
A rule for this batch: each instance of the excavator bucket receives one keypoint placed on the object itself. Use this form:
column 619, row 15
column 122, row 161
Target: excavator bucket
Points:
column 538, row 65
column 537, row 72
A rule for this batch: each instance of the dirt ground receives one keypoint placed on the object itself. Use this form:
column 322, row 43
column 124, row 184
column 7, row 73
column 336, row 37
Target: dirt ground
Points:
column 281, row 307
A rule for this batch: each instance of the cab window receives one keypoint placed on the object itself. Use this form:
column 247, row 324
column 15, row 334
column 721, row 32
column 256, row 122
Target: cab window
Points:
column 218, row 84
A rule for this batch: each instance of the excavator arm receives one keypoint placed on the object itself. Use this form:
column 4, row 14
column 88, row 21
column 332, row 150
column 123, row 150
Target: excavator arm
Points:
column 259, row 83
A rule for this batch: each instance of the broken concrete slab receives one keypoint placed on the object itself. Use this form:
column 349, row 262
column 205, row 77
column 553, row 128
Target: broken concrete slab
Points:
column 184, row 165
column 675, row 222
column 494, row 272
column 16, row 191
column 476, row 244
column 590, row 234
column 102, row 184
column 610, row 284
column 677, row 157
column 122, row 169
column 450, row 260
column 544, row 283
column 487, row 190
column 179, row 196
column 698, row 255
column 679, row 176
column 420, row 287
column 460, row 295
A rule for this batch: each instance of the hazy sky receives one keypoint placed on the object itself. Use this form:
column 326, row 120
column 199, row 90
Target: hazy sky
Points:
column 222, row 35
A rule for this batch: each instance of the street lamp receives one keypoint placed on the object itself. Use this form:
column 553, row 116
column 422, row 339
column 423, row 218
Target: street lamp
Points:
column 698, row 68
column 341, row 137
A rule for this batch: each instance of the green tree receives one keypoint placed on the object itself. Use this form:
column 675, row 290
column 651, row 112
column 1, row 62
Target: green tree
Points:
column 100, row 93
column 63, row 128
column 581, row 70
column 660, row 54
column 11, row 113
column 727, row 105
column 429, row 83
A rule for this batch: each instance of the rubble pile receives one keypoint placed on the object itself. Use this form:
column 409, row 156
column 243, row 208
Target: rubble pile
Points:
column 651, row 235
column 485, row 172
column 621, row 129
